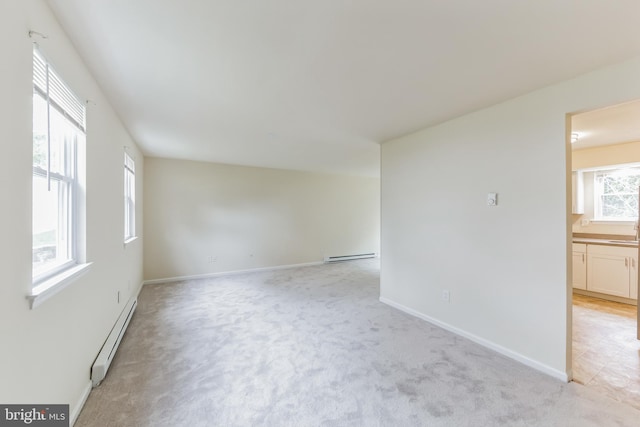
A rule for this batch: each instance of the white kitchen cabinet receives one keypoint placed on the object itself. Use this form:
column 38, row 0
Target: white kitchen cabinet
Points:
column 579, row 266
column 609, row 269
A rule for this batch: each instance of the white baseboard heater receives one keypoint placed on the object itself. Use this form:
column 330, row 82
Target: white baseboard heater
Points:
column 108, row 351
column 349, row 257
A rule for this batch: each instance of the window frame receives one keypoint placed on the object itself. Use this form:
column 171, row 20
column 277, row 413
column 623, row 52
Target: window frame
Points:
column 598, row 192
column 69, row 216
column 65, row 109
column 129, row 197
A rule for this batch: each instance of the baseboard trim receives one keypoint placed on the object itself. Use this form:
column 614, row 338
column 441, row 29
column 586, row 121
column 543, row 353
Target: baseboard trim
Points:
column 77, row 408
column 563, row 376
column 606, row 297
column 228, row 273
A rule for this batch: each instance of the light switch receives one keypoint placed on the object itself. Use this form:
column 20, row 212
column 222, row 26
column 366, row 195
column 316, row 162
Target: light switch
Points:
column 492, row 199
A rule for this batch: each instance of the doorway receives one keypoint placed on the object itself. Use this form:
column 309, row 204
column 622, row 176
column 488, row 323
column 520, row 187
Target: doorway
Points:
column 605, row 165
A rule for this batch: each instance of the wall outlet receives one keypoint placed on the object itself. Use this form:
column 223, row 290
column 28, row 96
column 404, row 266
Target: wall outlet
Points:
column 212, row 259
column 446, row 296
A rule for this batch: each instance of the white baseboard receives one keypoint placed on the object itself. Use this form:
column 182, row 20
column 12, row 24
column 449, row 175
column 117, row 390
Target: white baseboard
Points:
column 563, row 376
column 77, row 408
column 228, row 273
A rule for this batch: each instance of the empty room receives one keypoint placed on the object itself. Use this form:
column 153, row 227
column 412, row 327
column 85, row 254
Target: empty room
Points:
column 297, row 213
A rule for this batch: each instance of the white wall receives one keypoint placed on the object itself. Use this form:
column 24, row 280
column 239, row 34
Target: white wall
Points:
column 506, row 266
column 249, row 217
column 47, row 352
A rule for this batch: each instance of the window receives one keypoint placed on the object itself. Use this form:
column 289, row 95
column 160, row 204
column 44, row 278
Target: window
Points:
column 616, row 194
column 58, row 128
column 129, row 198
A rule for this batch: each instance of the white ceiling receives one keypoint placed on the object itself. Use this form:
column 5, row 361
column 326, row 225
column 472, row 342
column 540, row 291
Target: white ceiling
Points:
column 611, row 125
column 317, row 85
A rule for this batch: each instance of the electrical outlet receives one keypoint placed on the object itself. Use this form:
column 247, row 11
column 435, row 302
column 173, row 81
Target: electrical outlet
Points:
column 212, row 259
column 446, row 296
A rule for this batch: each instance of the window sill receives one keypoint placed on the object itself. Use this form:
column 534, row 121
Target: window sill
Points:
column 130, row 240
column 52, row 286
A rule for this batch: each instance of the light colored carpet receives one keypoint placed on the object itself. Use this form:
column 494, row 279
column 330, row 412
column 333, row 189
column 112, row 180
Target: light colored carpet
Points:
column 313, row 346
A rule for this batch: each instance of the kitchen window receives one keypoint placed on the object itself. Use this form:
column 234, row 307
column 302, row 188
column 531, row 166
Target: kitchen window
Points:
column 616, row 194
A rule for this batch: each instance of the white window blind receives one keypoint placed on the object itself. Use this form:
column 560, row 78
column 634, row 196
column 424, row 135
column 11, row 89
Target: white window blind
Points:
column 51, row 87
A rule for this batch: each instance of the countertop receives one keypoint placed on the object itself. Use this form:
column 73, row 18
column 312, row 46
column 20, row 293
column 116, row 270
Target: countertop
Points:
column 607, row 240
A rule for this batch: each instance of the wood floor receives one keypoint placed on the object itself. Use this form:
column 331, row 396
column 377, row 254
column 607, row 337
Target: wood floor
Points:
column 606, row 353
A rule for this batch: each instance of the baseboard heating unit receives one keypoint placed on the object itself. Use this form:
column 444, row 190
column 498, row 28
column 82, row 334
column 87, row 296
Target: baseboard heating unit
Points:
column 349, row 257
column 108, row 351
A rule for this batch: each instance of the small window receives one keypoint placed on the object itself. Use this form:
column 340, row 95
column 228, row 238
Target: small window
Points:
column 616, row 194
column 58, row 128
column 129, row 197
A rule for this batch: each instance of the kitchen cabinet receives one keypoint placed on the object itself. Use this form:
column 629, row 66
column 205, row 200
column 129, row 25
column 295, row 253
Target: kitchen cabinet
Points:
column 610, row 269
column 579, row 266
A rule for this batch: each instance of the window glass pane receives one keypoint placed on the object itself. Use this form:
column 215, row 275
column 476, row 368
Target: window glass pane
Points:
column 617, row 194
column 622, row 206
column 50, row 245
column 39, row 132
column 129, row 197
column 618, row 183
column 62, row 135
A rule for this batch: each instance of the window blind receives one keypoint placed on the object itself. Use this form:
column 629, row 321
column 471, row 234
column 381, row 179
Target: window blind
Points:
column 129, row 164
column 50, row 86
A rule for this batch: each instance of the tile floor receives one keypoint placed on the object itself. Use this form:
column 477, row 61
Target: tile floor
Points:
column 606, row 353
